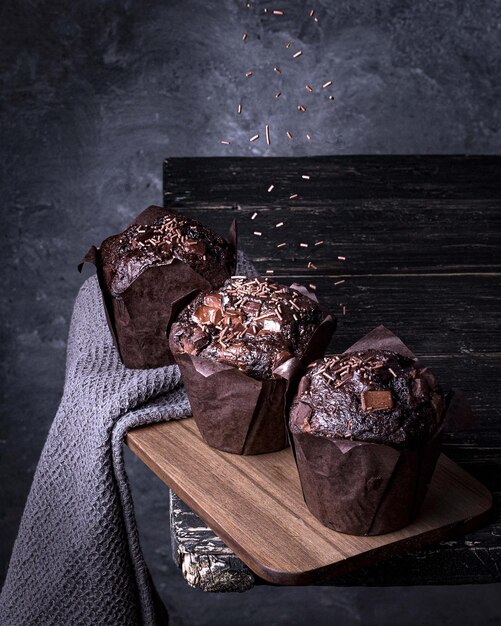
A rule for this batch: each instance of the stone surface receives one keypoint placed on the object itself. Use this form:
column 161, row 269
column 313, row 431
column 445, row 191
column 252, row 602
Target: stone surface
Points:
column 95, row 94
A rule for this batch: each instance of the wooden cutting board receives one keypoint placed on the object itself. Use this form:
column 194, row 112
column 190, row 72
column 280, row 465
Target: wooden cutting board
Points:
column 255, row 504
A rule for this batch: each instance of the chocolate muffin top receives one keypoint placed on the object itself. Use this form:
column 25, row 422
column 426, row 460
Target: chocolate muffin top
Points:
column 375, row 396
column 250, row 323
column 172, row 236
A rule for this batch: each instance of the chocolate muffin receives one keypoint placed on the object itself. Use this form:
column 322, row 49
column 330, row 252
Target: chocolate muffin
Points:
column 239, row 348
column 152, row 269
column 170, row 236
column 253, row 324
column 376, row 396
column 366, row 427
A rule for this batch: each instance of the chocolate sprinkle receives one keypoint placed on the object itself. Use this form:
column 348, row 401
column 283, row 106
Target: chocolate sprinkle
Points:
column 254, row 324
column 374, row 396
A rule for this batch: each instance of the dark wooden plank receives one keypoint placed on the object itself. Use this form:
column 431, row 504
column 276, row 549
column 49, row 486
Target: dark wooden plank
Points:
column 477, row 376
column 375, row 236
column 204, row 559
column 246, row 179
column 433, row 314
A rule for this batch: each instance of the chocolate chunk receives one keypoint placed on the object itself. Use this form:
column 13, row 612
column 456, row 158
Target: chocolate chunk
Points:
column 261, row 324
column 195, row 341
column 231, row 319
column 376, row 400
column 213, row 300
column 377, row 396
column 272, row 324
column 252, row 307
column 207, row 315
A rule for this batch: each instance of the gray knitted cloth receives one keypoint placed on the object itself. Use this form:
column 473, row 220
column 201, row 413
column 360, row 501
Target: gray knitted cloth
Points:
column 77, row 558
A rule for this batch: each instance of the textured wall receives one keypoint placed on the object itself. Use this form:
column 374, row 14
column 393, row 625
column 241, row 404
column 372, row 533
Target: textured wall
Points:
column 96, row 93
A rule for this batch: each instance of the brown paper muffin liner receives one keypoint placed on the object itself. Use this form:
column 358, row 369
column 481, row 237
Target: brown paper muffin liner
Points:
column 240, row 414
column 139, row 316
column 364, row 488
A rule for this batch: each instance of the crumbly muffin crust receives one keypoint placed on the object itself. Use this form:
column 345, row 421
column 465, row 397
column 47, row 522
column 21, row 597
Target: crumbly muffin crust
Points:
column 127, row 255
column 375, row 396
column 254, row 324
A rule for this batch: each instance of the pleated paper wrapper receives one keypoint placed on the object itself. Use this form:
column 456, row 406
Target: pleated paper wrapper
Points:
column 364, row 488
column 138, row 317
column 240, row 414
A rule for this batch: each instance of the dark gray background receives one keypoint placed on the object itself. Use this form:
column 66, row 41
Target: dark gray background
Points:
column 96, row 93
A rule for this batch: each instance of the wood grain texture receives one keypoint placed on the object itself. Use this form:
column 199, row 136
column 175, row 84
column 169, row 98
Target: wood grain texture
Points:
column 246, row 179
column 469, row 559
column 417, row 235
column 432, row 314
column 256, row 506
